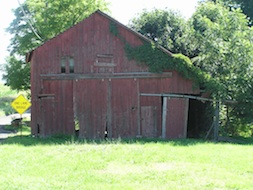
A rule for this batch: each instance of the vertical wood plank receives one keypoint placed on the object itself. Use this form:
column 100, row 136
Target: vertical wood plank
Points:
column 139, row 110
column 186, row 117
column 109, row 109
column 164, row 115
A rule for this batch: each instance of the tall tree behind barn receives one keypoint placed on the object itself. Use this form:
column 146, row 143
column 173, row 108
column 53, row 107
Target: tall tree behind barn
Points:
column 82, row 79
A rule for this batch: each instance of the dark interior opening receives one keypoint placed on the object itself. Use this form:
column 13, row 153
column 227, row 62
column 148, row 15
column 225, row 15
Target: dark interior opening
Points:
column 106, row 132
column 77, row 127
column 38, row 129
column 63, row 65
column 71, row 65
column 199, row 118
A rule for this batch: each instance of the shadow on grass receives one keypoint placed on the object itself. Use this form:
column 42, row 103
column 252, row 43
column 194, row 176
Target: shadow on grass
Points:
column 65, row 140
column 28, row 140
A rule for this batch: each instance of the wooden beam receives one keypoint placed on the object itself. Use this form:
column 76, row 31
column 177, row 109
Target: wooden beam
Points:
column 105, row 55
column 46, row 95
column 133, row 75
column 179, row 96
column 100, row 64
column 189, row 97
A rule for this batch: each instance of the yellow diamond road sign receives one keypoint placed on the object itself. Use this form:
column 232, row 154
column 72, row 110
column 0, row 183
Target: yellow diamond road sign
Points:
column 20, row 104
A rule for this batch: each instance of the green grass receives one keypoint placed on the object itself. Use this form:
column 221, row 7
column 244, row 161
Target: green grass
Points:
column 6, row 97
column 64, row 163
column 23, row 129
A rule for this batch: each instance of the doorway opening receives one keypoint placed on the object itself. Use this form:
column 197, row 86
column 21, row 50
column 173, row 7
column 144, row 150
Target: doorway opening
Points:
column 77, row 127
column 200, row 118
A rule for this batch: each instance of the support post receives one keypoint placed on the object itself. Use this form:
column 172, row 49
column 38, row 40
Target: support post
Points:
column 186, row 111
column 216, row 122
column 164, row 115
column 21, row 125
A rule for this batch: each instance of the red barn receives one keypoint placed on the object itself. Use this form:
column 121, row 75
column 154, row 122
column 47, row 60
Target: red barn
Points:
column 82, row 80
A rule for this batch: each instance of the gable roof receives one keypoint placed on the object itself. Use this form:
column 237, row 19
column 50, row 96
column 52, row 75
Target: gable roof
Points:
column 29, row 55
column 132, row 31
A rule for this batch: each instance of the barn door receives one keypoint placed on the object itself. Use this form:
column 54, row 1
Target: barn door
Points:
column 90, row 107
column 56, row 108
column 149, row 121
column 46, row 121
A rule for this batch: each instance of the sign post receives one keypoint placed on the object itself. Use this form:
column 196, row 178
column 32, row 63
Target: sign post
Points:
column 21, row 104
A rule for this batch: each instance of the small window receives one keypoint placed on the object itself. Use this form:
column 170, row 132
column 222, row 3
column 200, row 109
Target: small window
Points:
column 63, row 65
column 71, row 65
column 104, row 63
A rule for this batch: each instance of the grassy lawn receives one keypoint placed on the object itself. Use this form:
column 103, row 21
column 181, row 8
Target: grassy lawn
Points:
column 58, row 163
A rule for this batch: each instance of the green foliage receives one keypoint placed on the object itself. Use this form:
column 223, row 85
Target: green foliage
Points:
column 114, row 29
column 48, row 19
column 245, row 5
column 7, row 91
column 224, row 40
column 18, row 74
column 165, row 27
column 23, row 129
column 5, row 106
column 6, row 97
column 158, row 61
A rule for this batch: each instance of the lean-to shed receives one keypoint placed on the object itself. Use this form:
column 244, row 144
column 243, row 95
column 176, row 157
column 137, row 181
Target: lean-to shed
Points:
column 83, row 80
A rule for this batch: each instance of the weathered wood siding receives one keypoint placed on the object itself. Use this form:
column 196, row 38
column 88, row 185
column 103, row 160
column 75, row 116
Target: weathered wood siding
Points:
column 103, row 92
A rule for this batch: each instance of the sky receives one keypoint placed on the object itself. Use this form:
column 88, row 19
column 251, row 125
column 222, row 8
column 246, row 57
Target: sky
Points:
column 121, row 10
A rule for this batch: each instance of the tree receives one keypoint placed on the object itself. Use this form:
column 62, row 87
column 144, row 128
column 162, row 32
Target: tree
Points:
column 166, row 27
column 224, row 40
column 18, row 74
column 245, row 5
column 36, row 22
column 225, row 45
